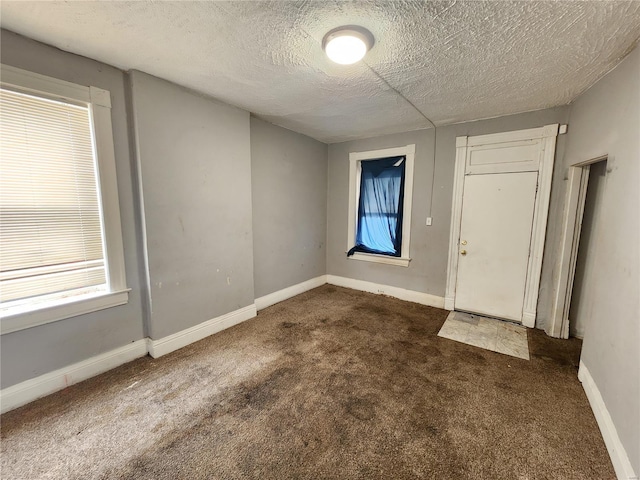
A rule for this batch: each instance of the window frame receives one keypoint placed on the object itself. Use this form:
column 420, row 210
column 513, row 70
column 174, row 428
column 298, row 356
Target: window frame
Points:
column 355, row 174
column 19, row 317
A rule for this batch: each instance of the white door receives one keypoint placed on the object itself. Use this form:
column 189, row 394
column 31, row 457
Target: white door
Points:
column 495, row 239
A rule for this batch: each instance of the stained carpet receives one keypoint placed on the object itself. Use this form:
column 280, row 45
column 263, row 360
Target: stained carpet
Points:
column 332, row 384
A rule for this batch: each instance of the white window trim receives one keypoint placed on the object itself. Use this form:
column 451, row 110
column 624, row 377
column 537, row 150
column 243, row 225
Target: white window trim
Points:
column 99, row 102
column 355, row 171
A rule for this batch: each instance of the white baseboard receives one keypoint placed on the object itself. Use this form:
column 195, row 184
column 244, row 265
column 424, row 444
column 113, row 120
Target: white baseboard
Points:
column 617, row 452
column 173, row 342
column 292, row 291
column 30, row 390
column 401, row 293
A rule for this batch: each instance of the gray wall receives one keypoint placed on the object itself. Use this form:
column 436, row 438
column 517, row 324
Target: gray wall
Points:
column 195, row 158
column 606, row 120
column 427, row 271
column 195, row 163
column 586, row 272
column 35, row 351
column 289, row 184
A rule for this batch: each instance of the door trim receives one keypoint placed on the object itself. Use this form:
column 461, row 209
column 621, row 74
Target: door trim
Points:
column 547, row 135
column 558, row 324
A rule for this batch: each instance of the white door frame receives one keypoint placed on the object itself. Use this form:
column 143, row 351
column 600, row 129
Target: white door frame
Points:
column 558, row 324
column 547, row 142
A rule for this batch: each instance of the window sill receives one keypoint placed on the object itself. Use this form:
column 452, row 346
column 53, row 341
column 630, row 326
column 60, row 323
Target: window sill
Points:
column 13, row 321
column 370, row 257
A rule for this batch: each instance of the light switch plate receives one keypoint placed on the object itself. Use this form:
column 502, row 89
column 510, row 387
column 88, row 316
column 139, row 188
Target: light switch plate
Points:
column 429, row 221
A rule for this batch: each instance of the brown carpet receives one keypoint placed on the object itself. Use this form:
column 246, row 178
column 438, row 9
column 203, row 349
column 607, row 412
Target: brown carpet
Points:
column 333, row 383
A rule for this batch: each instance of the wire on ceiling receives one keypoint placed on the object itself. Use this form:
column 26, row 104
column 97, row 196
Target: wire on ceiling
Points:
column 401, row 95
column 435, row 130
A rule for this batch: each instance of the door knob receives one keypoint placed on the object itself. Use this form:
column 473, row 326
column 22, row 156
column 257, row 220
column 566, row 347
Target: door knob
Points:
column 463, row 252
column 463, row 242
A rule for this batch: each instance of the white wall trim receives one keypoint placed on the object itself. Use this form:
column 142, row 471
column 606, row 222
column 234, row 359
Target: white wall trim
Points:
column 98, row 101
column 449, row 303
column 514, row 136
column 539, row 233
column 529, row 319
column 104, row 152
column 286, row 293
column 60, row 310
column 30, row 390
column 617, row 452
column 173, row 342
column 385, row 259
column 397, row 292
column 355, row 172
column 547, row 139
column 37, row 83
column 558, row 323
column 456, row 219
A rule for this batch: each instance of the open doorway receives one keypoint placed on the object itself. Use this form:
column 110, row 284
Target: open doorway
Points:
column 571, row 304
column 585, row 272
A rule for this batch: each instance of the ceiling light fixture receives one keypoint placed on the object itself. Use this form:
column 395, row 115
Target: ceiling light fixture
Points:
column 348, row 44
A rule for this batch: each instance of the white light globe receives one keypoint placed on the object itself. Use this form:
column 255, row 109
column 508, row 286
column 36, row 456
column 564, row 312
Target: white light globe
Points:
column 346, row 49
column 348, row 44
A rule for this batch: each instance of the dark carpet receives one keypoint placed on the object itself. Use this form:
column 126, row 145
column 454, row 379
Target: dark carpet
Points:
column 333, row 383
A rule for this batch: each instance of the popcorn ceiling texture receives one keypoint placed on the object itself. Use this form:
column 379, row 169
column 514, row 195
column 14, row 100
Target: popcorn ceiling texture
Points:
column 455, row 60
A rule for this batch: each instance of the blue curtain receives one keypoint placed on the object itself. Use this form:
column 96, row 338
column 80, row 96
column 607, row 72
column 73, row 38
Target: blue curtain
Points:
column 379, row 227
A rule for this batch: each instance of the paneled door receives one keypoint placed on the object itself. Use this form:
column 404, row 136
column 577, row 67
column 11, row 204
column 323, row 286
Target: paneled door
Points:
column 501, row 191
column 495, row 236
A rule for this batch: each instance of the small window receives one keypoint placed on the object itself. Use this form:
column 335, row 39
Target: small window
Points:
column 55, row 194
column 380, row 205
column 379, row 224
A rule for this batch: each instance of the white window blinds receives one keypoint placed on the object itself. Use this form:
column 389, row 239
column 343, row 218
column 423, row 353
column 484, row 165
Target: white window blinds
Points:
column 50, row 221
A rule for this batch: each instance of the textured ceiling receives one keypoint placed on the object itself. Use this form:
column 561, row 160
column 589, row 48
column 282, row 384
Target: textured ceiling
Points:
column 455, row 60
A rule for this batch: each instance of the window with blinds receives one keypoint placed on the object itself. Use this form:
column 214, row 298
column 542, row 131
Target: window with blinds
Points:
column 51, row 235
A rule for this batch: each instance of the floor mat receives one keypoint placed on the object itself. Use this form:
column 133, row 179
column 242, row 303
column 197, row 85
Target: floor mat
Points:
column 487, row 333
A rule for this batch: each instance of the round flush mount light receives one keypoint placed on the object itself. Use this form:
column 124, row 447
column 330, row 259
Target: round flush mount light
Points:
column 348, row 44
